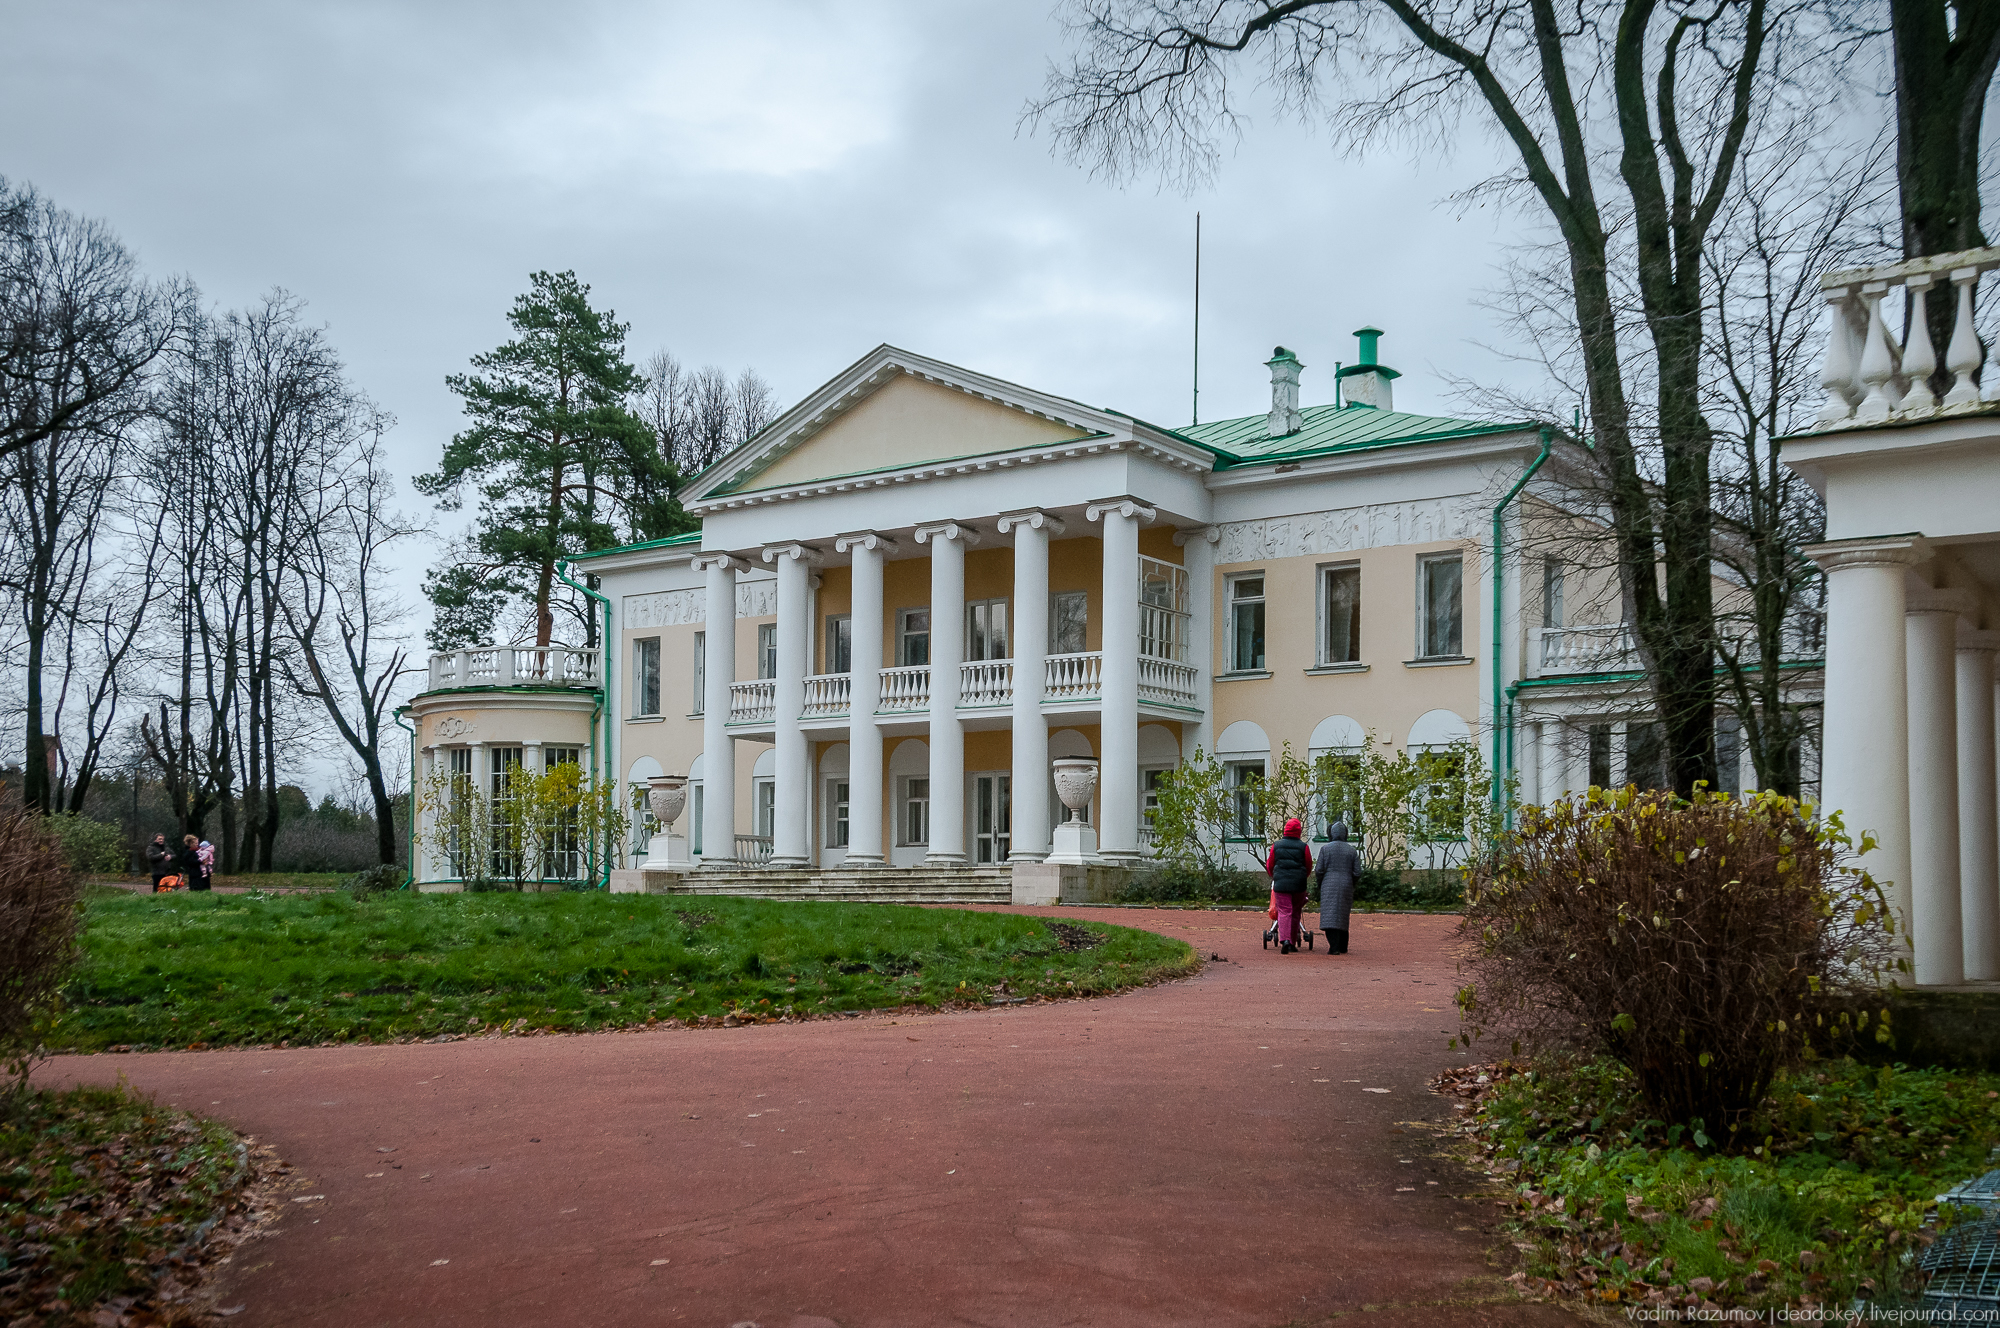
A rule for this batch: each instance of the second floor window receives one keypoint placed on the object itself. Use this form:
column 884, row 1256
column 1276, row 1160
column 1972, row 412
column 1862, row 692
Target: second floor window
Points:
column 1340, row 615
column 840, row 644
column 1440, row 596
column 1552, row 592
column 1246, row 623
column 986, row 629
column 767, row 650
column 646, row 675
column 1069, row 622
column 913, row 637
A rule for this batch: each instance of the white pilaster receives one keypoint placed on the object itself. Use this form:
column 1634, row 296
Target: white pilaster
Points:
column 791, row 816
column 1031, row 829
column 718, row 749
column 1528, row 762
column 1936, row 923
column 1553, row 780
column 1198, row 554
column 1978, row 811
column 948, row 541
column 864, row 735
column 1118, row 732
column 1865, row 768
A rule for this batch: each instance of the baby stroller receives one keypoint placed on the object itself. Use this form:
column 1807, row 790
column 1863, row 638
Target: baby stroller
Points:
column 168, row 884
column 1271, row 935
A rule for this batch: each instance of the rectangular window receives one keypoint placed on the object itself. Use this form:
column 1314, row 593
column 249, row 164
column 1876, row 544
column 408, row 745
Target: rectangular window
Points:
column 1163, row 610
column 460, row 832
column 1340, row 615
column 694, row 821
column 646, row 676
column 1552, row 592
column 700, row 672
column 1440, row 617
column 836, row 813
column 913, row 637
column 1246, row 623
column 986, row 629
column 1439, row 803
column 767, row 650
column 555, row 756
column 1728, row 754
column 505, row 832
column 764, row 804
column 916, row 818
column 992, row 818
column 1246, row 802
column 644, row 827
column 1069, row 622
column 1149, row 796
column 1646, row 755
column 840, row 644
column 1600, row 756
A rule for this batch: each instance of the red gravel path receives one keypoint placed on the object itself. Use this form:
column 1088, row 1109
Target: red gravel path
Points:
column 1203, row 1153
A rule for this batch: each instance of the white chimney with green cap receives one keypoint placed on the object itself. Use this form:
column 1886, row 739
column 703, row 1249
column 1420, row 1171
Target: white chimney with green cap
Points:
column 1285, row 417
column 1366, row 383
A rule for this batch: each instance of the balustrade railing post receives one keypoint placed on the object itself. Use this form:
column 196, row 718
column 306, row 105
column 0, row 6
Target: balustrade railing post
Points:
column 1837, row 374
column 1964, row 355
column 1919, row 357
column 1878, row 359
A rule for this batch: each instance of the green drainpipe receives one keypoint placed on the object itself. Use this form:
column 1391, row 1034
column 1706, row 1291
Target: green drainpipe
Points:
column 397, row 715
column 1503, row 728
column 597, row 709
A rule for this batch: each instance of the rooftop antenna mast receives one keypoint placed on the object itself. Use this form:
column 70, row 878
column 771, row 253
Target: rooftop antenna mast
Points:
column 1195, row 414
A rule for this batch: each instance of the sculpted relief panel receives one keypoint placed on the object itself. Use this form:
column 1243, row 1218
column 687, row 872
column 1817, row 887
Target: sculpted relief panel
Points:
column 1347, row 530
column 681, row 608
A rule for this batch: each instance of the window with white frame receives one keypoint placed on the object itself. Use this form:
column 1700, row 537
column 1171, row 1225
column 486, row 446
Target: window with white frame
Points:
column 1069, row 622
column 986, row 629
column 913, row 637
column 836, row 813
column 694, row 820
column 1246, row 802
column 1440, row 606
column 767, row 650
column 646, row 676
column 1340, row 614
column 1552, row 592
column 644, row 825
column 840, row 643
column 700, row 673
column 1163, row 610
column 914, row 822
column 764, row 807
column 1246, row 622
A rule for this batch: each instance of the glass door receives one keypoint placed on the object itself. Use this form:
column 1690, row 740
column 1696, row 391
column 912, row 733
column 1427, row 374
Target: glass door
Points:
column 992, row 818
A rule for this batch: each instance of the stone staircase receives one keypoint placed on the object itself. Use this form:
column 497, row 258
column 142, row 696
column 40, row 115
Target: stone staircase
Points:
column 889, row 885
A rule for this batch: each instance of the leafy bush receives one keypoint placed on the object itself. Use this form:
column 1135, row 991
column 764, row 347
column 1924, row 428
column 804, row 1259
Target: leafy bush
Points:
column 1183, row 883
column 377, row 880
column 37, row 934
column 1705, row 945
column 1443, row 888
column 91, row 846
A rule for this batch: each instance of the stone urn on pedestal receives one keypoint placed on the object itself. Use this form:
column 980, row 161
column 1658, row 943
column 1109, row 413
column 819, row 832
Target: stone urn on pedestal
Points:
column 1075, row 841
column 667, row 796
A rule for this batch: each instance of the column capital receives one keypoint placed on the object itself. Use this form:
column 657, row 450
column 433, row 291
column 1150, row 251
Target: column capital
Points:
column 1034, row 518
column 718, row 560
column 1970, row 640
column 949, row 530
column 1874, row 551
column 1206, row 534
column 1126, row 506
column 863, row 539
column 803, row 553
column 1963, row 603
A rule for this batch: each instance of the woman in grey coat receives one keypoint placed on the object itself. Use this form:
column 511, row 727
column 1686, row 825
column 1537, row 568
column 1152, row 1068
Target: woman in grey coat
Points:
column 1334, row 875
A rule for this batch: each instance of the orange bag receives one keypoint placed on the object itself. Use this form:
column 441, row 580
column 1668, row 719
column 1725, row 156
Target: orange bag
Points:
column 1272, row 911
column 168, row 884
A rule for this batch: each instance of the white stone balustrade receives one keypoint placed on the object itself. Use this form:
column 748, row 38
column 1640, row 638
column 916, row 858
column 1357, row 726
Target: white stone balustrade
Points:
column 828, row 694
column 906, row 688
column 1602, row 648
column 986, row 682
column 1073, row 677
column 753, row 702
column 1869, row 376
column 512, row 666
column 1166, row 682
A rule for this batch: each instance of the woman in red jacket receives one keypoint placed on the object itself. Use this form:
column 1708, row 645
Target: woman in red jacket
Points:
column 1289, row 867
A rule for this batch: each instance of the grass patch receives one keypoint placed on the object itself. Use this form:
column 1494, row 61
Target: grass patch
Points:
column 108, row 1197
column 1821, row 1199
column 187, row 969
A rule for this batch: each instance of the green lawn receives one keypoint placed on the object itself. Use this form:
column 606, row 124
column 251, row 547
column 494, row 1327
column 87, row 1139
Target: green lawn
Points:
column 185, row 969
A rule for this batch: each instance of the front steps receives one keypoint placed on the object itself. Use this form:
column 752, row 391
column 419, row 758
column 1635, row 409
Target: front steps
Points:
column 887, row 885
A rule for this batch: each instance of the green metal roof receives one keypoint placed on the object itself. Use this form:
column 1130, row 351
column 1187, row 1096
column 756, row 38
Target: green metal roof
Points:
column 690, row 537
column 1328, row 429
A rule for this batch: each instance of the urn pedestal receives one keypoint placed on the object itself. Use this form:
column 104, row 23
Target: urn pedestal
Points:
column 667, row 796
column 1075, row 841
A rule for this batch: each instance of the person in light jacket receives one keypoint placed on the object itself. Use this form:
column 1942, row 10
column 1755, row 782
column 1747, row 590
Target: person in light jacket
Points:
column 1289, row 865
column 1334, row 875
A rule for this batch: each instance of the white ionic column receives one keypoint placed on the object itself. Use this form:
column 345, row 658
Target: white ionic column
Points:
column 1978, row 811
column 1528, row 762
column 864, row 735
column 1937, row 929
column 1865, row 762
column 1551, row 780
column 718, row 749
column 1118, row 729
column 791, row 816
column 1198, row 554
column 948, row 541
column 1031, row 531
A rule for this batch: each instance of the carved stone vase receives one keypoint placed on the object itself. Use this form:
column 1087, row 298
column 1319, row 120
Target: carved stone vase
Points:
column 667, row 796
column 1075, row 843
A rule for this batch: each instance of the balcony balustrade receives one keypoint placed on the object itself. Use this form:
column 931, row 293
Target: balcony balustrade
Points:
column 1870, row 375
column 986, row 682
column 1604, row 648
column 1073, row 677
column 753, row 702
column 1166, row 681
column 905, row 689
column 512, row 666
column 828, row 694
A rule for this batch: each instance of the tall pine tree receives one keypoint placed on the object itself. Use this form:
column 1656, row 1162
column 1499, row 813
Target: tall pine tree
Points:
column 557, row 460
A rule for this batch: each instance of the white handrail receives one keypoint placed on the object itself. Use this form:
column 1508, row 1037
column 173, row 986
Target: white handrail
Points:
column 907, row 687
column 509, row 666
column 986, row 682
column 1166, row 681
column 1073, row 677
column 1869, row 375
column 828, row 694
column 753, row 702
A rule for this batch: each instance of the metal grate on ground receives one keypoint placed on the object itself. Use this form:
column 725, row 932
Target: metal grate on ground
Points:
column 1964, row 1263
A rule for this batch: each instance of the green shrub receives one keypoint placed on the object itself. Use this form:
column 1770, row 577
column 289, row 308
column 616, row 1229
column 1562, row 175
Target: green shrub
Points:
column 376, row 880
column 1444, row 888
column 1705, row 945
column 91, row 846
column 1171, row 882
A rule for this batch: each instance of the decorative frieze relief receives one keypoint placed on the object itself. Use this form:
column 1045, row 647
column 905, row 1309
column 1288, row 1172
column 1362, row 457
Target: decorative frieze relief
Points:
column 681, row 608
column 1348, row 530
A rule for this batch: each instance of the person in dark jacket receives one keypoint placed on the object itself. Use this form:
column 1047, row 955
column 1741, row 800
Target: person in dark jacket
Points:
column 1289, row 867
column 159, row 860
column 1334, row 875
column 188, row 863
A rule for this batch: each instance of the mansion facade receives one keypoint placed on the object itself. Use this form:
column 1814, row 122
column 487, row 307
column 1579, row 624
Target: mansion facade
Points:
column 922, row 586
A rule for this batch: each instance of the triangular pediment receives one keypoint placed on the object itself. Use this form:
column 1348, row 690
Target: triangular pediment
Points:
column 894, row 411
